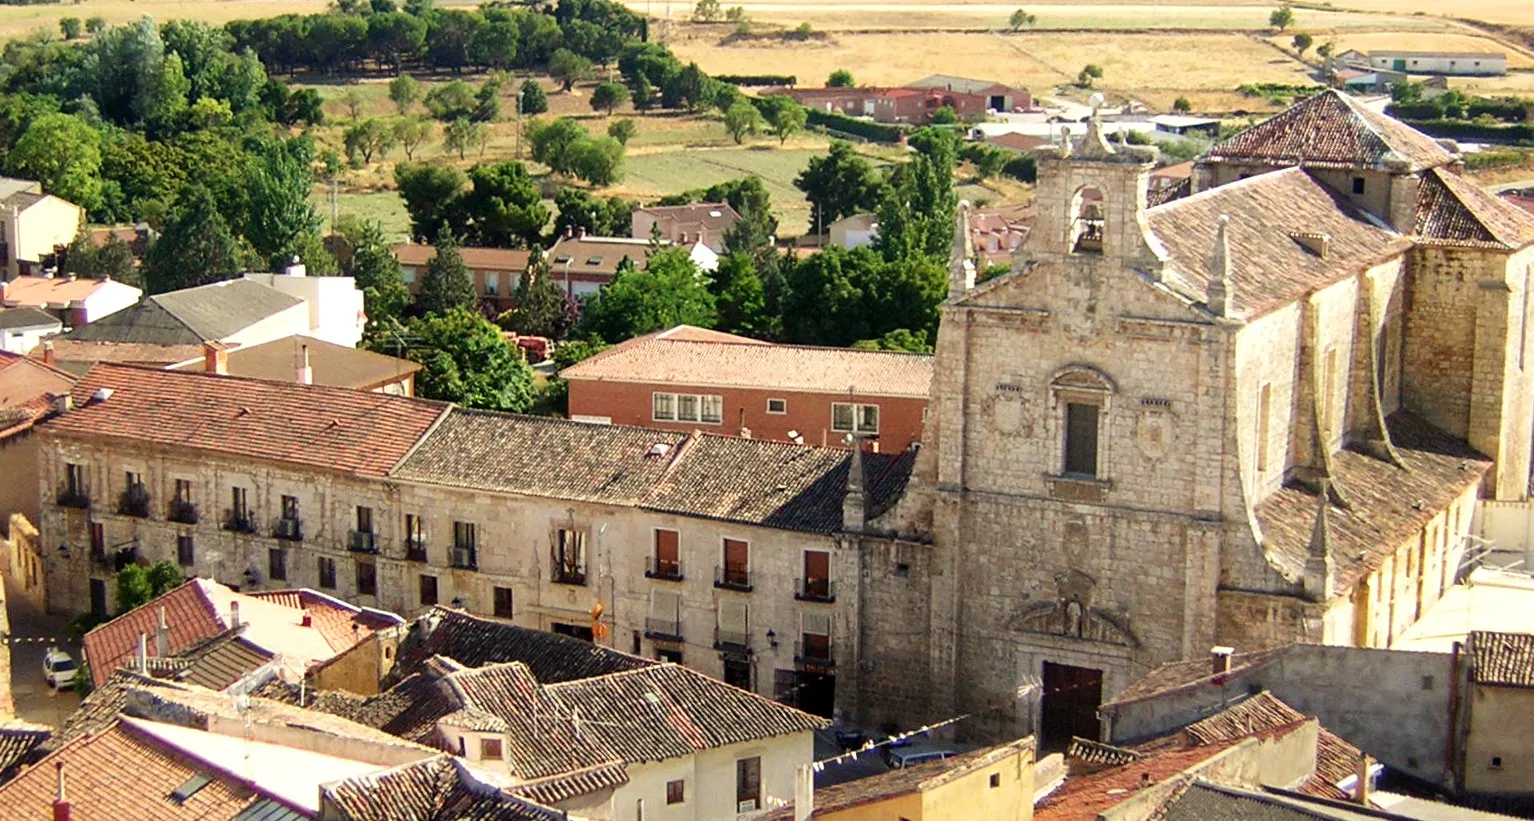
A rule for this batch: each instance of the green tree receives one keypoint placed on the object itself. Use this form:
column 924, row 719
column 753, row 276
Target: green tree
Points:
column 367, row 137
column 452, row 101
column 463, row 134
column 944, row 115
column 377, row 272
column 446, row 283
column 351, row 99
column 133, row 588
column 785, row 117
column 487, row 100
column 1281, row 18
column 411, row 133
column 691, row 88
column 1089, row 73
column 1021, row 19
column 900, row 339
column 608, row 96
column 838, row 297
column 838, row 185
column 621, row 130
column 1182, row 105
column 597, row 160
column 1325, row 49
column 163, row 577
column 708, row 11
column 840, row 78
column 432, row 193
column 196, row 247
column 504, row 206
column 742, row 120
column 63, row 152
column 534, row 101
column 739, row 298
column 1302, row 43
column 95, row 26
column 670, row 291
column 70, row 27
column 568, row 68
column 542, row 307
column 279, row 220
column 579, row 210
column 465, row 359
column 552, row 141
column 404, row 91
column 393, row 37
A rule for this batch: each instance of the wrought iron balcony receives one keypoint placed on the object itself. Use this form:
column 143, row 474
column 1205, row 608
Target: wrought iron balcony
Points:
column 818, row 590
column 729, row 641
column 362, row 541
column 74, row 496
column 182, row 511
column 814, row 654
column 568, row 574
column 465, row 558
column 134, row 502
column 665, row 569
column 663, row 629
column 415, row 549
column 732, row 578
column 239, row 521
column 289, row 528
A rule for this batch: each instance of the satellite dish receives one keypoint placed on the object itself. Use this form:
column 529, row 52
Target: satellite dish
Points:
column 1096, row 100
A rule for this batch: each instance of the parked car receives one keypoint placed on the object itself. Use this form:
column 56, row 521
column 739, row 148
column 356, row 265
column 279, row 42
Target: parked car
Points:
column 898, row 758
column 59, row 669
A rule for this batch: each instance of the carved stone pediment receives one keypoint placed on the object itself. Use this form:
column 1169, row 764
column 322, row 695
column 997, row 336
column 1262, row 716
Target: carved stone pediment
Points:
column 1071, row 614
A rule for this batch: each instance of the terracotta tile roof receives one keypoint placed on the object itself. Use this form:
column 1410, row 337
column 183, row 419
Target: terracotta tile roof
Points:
column 1168, row 193
column 1336, row 761
column 1388, row 504
column 60, row 292
column 189, row 613
column 1454, row 211
column 1269, row 266
column 596, row 255
column 215, row 663
column 124, row 775
column 74, row 351
column 100, row 709
column 26, row 390
column 475, row 259
column 1502, row 659
column 330, row 364
column 1518, row 199
column 1082, row 798
column 774, row 484
column 1332, row 130
column 190, row 316
column 1177, row 173
column 428, row 790
column 312, row 425
column 475, row 641
column 342, row 624
column 714, row 217
column 667, row 360
column 1203, row 801
column 21, row 744
column 667, row 711
column 1176, row 675
column 1019, row 142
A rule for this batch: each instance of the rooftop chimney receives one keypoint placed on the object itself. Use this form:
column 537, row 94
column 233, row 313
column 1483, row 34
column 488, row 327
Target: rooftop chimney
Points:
column 48, row 358
column 60, row 806
column 1219, row 270
column 305, row 374
column 308, row 620
column 162, row 636
column 215, row 357
column 63, row 403
column 1364, row 765
column 143, row 653
column 804, row 793
column 1219, row 659
column 854, row 512
column 234, row 615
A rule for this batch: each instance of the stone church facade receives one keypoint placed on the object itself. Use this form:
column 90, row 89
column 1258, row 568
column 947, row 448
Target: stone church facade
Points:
column 1256, row 415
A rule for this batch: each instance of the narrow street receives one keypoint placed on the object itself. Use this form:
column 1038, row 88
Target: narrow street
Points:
column 29, row 641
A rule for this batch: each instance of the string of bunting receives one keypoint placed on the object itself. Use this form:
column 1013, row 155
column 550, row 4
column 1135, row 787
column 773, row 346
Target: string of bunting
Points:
column 872, row 745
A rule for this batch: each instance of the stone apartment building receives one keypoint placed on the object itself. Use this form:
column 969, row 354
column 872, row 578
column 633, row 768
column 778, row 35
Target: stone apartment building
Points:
column 1258, row 414
column 739, row 558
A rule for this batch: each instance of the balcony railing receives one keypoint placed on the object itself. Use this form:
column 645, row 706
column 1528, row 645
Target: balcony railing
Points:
column 239, row 521
column 415, row 549
column 732, row 578
column 362, row 541
column 134, row 502
column 666, row 569
column 289, row 528
column 568, row 574
column 76, row 497
column 663, row 629
column 729, row 641
column 814, row 654
column 820, row 590
column 182, row 511
column 465, row 558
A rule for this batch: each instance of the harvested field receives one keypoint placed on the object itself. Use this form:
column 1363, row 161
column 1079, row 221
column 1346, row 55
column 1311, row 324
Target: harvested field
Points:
column 1423, row 41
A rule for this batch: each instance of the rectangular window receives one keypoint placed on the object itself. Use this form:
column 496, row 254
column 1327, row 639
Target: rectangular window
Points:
column 327, row 573
column 663, row 407
column 490, row 749
column 675, row 791
column 239, row 508
column 686, row 407
column 1264, row 395
column 569, row 557
column 868, row 418
column 183, row 490
column 817, row 575
column 713, row 409
column 847, row 417
column 428, row 586
column 277, row 564
column 748, row 784
column 1358, row 185
column 465, row 544
column 1080, row 439
column 777, row 406
column 290, row 507
column 74, row 479
column 492, row 284
column 133, row 481
column 502, row 600
column 668, row 549
column 364, row 519
column 367, row 579
column 415, row 538
column 737, row 563
column 841, row 417
column 186, row 554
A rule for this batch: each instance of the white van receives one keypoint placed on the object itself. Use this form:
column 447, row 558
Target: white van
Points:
column 898, row 758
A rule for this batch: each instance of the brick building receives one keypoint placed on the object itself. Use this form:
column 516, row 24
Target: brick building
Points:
column 495, row 271
column 915, row 102
column 690, row 378
column 705, row 222
column 1258, row 414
